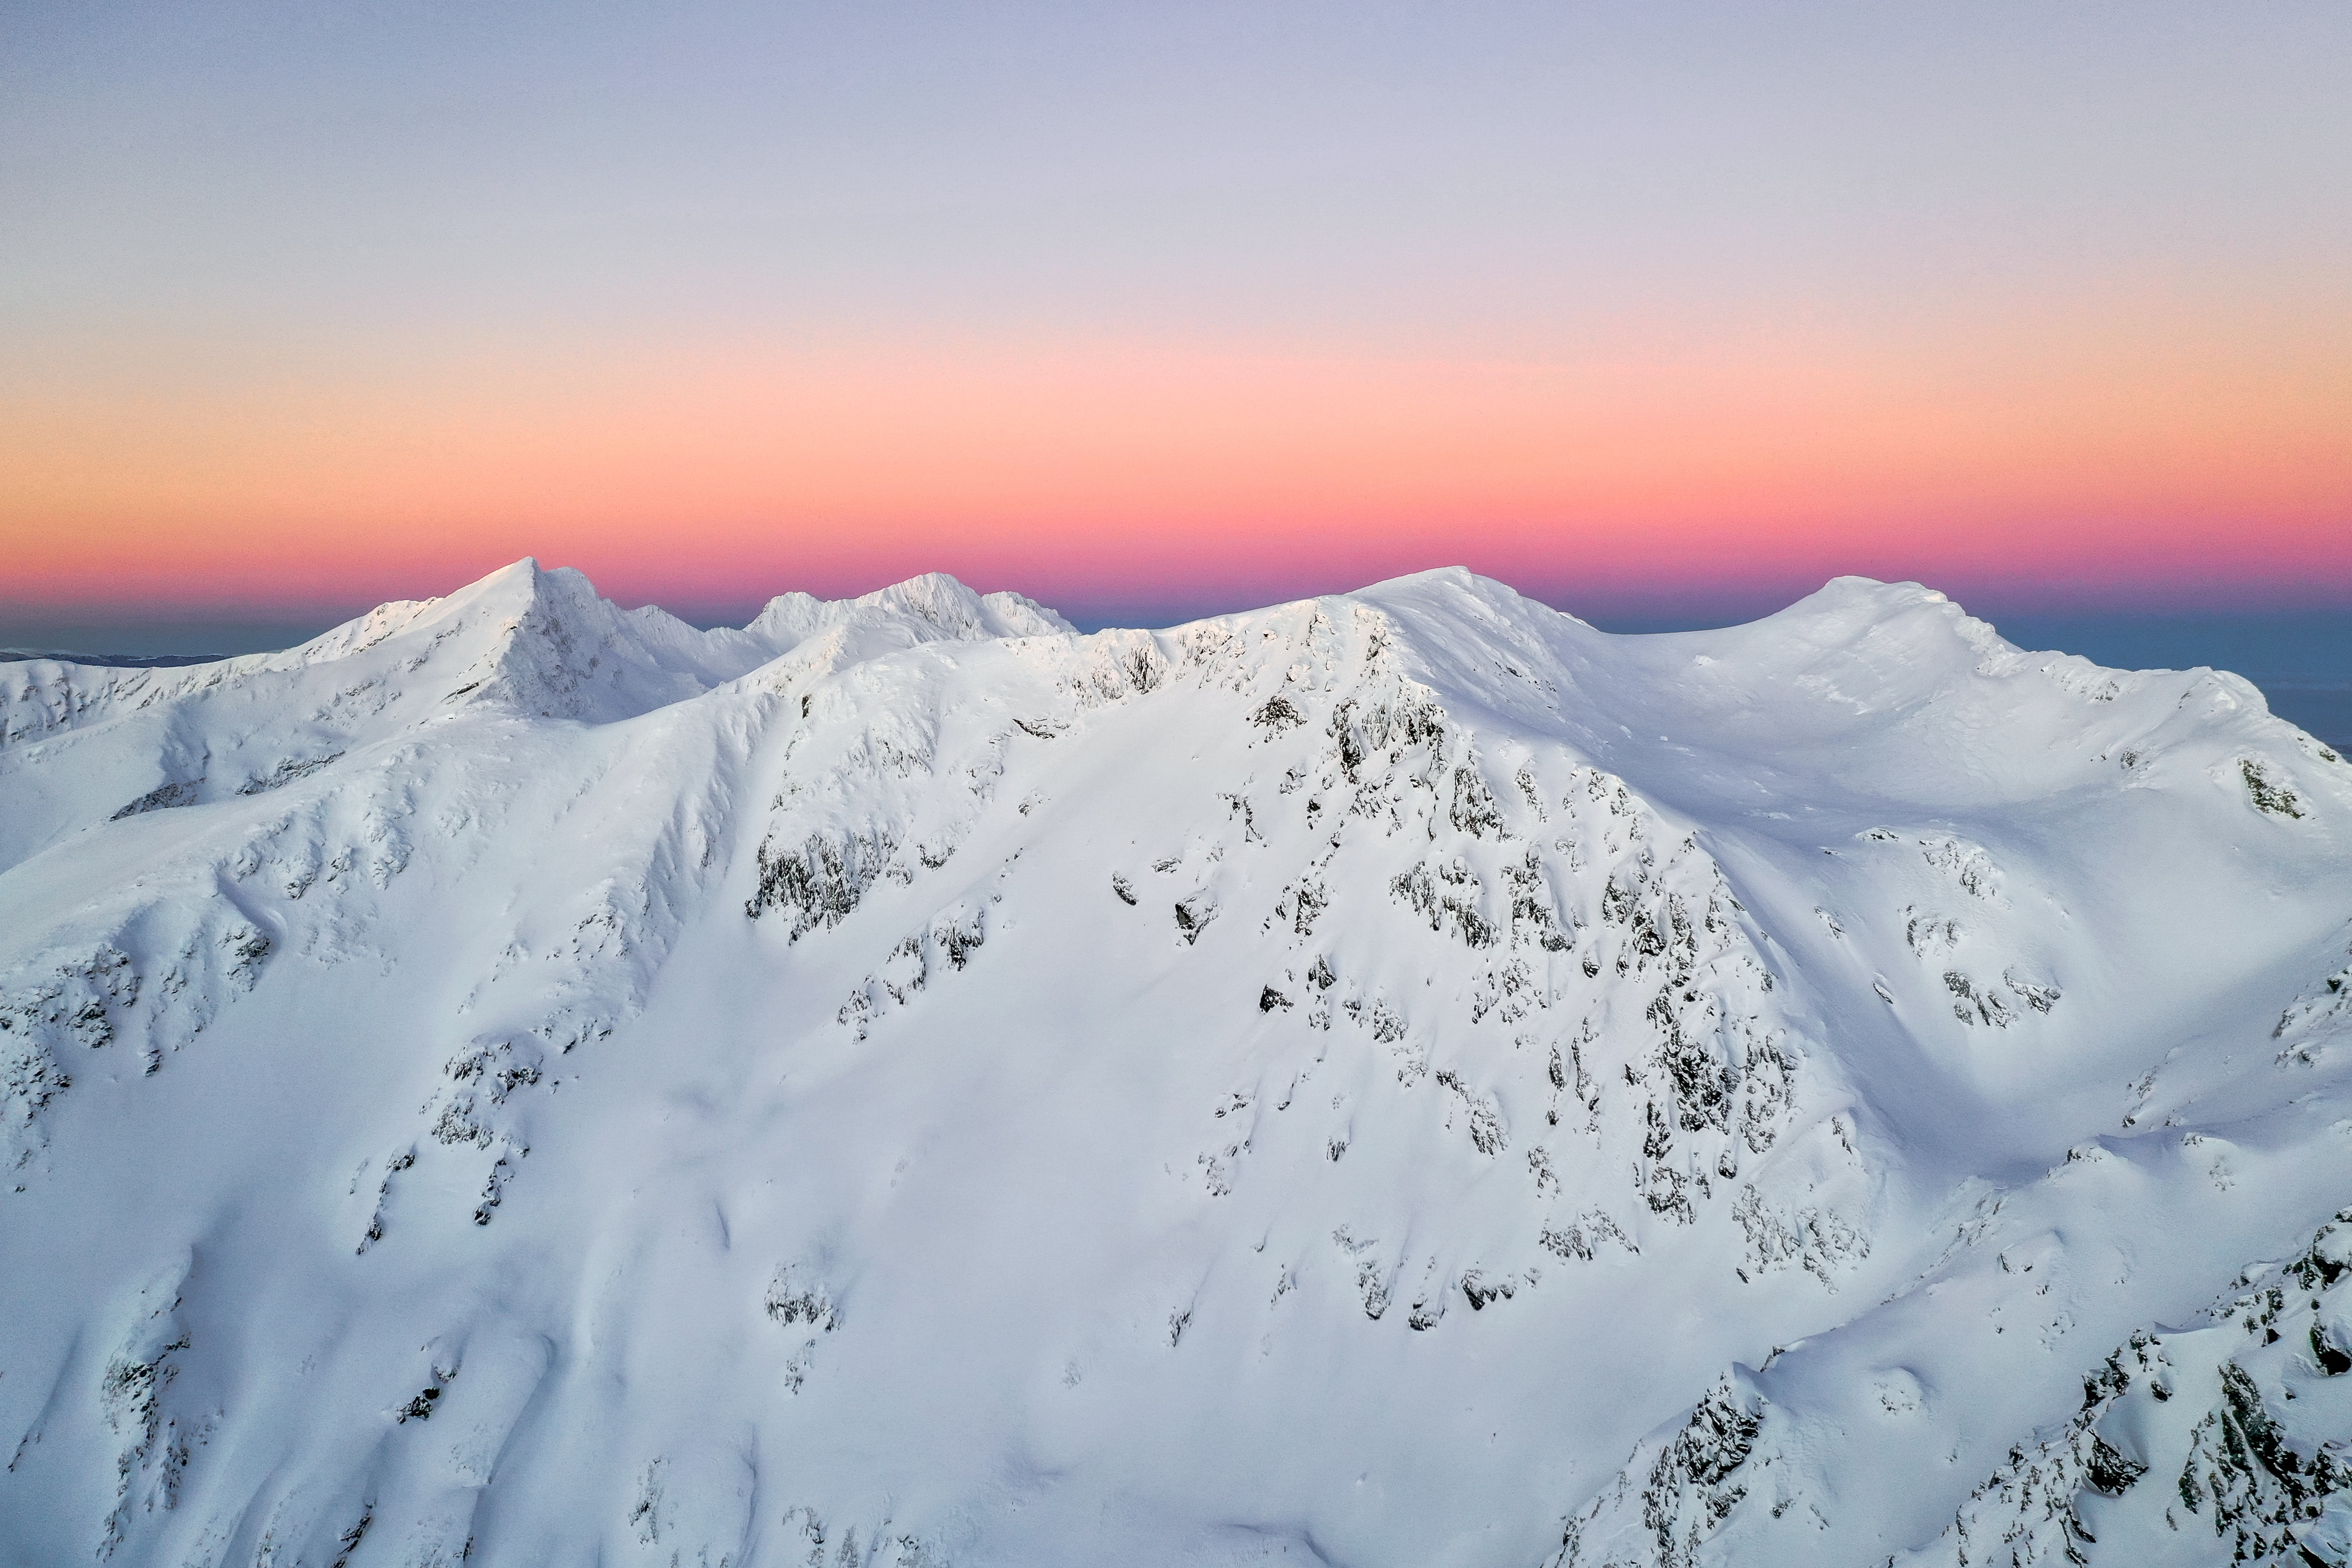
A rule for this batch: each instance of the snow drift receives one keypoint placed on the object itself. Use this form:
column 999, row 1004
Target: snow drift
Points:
column 1403, row 1077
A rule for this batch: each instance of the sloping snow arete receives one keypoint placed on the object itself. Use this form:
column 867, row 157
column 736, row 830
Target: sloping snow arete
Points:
column 1396, row 1079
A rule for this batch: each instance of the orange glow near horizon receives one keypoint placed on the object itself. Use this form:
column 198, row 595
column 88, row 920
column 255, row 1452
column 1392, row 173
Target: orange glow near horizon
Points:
column 1151, row 309
column 2092, row 453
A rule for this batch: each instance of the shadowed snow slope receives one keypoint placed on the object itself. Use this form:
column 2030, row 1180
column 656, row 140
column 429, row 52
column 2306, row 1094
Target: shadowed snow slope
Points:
column 1403, row 1077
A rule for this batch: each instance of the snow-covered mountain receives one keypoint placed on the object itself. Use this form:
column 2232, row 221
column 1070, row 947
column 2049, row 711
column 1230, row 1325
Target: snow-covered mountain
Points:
column 1396, row 1079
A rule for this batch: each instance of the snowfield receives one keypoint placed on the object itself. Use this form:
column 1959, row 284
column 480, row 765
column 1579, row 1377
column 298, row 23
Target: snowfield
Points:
column 1396, row 1079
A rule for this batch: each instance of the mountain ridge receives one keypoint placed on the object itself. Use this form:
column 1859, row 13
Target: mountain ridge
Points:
column 1160, row 1095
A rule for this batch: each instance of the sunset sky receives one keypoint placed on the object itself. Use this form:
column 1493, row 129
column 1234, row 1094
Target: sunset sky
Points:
column 1668, row 310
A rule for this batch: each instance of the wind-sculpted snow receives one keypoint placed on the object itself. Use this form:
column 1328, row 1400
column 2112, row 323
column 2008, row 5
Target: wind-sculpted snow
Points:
column 1398, row 1077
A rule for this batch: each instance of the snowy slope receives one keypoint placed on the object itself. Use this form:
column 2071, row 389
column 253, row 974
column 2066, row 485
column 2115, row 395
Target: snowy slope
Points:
column 1403, row 1077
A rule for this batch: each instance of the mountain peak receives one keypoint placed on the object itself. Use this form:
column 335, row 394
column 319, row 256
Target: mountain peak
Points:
column 1363, row 1068
column 933, row 605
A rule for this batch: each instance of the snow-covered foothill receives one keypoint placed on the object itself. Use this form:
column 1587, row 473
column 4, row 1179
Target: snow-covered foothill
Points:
column 1399, row 1078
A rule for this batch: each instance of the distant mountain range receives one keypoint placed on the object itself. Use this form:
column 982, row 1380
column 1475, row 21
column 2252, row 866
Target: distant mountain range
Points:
column 1403, row 1078
column 111, row 660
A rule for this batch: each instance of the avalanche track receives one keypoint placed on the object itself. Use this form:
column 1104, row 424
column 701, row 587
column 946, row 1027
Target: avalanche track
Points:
column 1396, row 1078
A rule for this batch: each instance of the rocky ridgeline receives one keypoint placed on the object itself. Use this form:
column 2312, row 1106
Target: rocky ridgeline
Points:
column 905, row 1082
